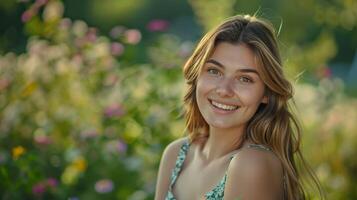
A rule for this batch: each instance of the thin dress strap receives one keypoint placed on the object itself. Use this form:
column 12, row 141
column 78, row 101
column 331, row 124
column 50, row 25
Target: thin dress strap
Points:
column 217, row 193
column 179, row 162
column 259, row 146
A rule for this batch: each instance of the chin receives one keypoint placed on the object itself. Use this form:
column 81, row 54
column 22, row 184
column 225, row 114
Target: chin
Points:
column 222, row 125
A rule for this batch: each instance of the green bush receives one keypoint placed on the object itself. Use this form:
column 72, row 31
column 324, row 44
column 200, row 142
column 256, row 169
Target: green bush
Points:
column 78, row 121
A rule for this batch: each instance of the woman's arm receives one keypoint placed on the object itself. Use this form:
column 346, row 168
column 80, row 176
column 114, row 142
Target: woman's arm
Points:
column 254, row 174
column 167, row 163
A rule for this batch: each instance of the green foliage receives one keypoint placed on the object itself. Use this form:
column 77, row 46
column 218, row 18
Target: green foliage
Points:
column 79, row 120
column 329, row 142
column 75, row 122
column 204, row 9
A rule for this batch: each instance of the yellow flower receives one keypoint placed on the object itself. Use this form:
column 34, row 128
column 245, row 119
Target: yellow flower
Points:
column 70, row 175
column 72, row 172
column 29, row 89
column 80, row 164
column 18, row 151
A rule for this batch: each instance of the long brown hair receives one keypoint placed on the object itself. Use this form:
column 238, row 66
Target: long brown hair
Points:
column 273, row 124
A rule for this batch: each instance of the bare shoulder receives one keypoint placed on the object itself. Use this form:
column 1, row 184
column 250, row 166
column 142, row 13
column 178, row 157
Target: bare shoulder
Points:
column 167, row 163
column 254, row 173
column 171, row 152
column 251, row 158
column 172, row 149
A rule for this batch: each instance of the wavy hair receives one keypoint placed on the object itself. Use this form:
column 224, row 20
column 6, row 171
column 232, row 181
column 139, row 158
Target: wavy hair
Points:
column 273, row 124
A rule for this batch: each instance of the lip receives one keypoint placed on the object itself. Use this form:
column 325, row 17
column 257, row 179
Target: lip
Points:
column 225, row 103
column 220, row 111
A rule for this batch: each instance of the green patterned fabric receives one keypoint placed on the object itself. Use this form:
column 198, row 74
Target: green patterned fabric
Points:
column 217, row 193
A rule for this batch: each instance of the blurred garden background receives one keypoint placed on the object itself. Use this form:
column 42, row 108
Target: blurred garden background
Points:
column 91, row 91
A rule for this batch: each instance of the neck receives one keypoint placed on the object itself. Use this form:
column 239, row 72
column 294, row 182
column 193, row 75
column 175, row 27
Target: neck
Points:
column 221, row 142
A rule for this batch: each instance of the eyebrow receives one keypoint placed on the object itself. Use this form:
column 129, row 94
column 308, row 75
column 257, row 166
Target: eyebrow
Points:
column 240, row 70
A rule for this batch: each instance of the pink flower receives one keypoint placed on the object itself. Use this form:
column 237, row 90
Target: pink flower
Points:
column 27, row 15
column 42, row 139
column 117, row 48
column 114, row 110
column 38, row 189
column 91, row 35
column 157, row 25
column 52, row 182
column 104, row 186
column 132, row 36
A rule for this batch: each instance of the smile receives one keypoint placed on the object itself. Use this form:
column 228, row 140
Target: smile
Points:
column 223, row 106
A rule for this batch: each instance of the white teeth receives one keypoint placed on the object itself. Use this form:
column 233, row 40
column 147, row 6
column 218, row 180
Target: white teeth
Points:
column 223, row 106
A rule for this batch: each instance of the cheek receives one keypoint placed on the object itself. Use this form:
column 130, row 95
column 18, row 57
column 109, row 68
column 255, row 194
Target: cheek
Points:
column 200, row 90
column 203, row 90
column 198, row 87
column 204, row 85
column 251, row 96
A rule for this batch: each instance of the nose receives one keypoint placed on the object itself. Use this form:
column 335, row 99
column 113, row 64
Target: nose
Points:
column 224, row 88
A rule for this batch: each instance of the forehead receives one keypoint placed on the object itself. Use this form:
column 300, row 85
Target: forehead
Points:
column 235, row 56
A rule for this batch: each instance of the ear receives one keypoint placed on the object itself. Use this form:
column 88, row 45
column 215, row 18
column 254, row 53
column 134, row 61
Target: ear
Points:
column 265, row 100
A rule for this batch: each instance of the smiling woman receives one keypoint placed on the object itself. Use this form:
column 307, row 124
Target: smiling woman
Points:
column 242, row 138
column 229, row 89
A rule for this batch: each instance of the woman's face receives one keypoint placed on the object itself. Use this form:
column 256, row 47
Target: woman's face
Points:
column 229, row 89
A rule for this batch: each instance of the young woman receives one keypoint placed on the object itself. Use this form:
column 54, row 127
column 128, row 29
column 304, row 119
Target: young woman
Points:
column 242, row 139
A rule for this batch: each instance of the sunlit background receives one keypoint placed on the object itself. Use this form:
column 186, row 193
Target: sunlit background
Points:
column 91, row 91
